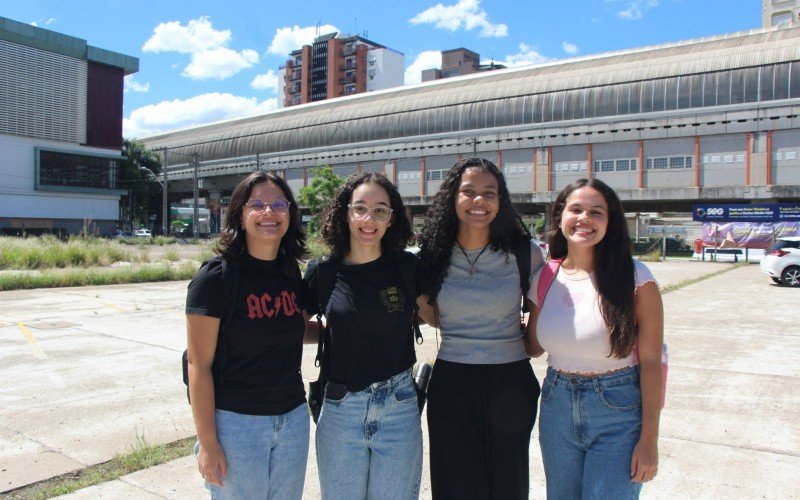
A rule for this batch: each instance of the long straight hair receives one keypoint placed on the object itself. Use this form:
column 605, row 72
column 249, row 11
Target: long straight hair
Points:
column 613, row 258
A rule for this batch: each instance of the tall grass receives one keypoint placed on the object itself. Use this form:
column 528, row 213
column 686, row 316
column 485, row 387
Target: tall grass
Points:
column 49, row 252
column 82, row 277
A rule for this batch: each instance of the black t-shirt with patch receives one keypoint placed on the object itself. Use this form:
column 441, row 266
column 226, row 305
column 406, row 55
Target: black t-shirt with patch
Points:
column 369, row 315
column 260, row 351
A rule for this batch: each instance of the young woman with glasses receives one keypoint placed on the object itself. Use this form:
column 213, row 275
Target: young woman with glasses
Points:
column 602, row 325
column 246, row 321
column 369, row 439
column 483, row 392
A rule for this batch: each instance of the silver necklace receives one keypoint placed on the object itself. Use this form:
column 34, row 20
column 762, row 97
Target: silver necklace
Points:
column 472, row 262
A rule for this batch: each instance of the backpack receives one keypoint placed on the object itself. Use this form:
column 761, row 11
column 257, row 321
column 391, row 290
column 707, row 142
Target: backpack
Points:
column 230, row 285
column 522, row 252
column 546, row 278
column 326, row 280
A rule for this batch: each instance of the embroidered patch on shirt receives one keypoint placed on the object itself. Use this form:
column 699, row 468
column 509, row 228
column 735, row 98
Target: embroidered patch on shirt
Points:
column 393, row 299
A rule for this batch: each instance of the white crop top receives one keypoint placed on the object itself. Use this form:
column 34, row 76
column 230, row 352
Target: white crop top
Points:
column 571, row 327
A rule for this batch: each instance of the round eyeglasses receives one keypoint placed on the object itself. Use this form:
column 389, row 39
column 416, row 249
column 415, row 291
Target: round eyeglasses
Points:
column 278, row 205
column 379, row 214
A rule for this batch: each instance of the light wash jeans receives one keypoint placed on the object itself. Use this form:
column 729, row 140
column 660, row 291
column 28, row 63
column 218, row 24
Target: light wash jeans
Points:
column 266, row 455
column 588, row 427
column 369, row 443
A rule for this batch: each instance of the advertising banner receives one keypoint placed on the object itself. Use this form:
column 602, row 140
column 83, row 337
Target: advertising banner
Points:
column 756, row 212
column 747, row 234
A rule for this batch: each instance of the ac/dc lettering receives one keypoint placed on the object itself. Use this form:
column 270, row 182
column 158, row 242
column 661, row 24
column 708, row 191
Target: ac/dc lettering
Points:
column 266, row 305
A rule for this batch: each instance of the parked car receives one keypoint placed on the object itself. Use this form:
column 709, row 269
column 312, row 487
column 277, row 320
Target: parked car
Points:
column 675, row 246
column 142, row 233
column 541, row 244
column 782, row 261
column 119, row 233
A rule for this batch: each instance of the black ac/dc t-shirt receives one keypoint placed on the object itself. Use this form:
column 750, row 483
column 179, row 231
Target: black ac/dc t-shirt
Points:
column 369, row 315
column 260, row 351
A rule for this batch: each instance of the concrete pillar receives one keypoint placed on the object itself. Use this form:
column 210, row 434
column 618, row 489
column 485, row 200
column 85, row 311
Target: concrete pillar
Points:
column 641, row 164
column 424, row 184
column 697, row 161
column 589, row 163
column 769, row 158
column 747, row 151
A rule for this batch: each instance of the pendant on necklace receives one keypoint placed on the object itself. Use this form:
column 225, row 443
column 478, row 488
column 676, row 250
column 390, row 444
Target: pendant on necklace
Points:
column 471, row 270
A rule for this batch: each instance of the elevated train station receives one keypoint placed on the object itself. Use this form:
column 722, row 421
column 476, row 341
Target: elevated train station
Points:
column 706, row 120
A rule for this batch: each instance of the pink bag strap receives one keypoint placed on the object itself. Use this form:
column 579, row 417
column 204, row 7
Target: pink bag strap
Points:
column 546, row 277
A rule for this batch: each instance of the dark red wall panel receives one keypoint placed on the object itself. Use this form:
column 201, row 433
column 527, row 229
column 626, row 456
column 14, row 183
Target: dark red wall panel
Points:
column 104, row 106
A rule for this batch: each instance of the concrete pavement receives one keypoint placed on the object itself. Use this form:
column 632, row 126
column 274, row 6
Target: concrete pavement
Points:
column 90, row 372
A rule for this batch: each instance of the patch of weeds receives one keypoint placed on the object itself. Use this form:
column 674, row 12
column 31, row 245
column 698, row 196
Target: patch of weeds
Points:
column 172, row 255
column 140, row 456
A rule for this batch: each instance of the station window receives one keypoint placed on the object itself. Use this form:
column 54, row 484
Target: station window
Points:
column 68, row 170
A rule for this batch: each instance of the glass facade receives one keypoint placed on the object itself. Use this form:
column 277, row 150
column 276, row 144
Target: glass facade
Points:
column 57, row 169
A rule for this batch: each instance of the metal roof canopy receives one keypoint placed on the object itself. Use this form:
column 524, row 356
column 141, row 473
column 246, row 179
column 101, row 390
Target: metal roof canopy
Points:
column 325, row 123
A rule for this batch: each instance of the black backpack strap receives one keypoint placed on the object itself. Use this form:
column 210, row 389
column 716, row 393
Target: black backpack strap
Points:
column 326, row 280
column 408, row 268
column 230, row 285
column 522, row 252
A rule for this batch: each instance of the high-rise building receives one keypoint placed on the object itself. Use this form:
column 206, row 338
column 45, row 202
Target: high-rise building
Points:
column 336, row 65
column 457, row 62
column 60, row 131
column 777, row 12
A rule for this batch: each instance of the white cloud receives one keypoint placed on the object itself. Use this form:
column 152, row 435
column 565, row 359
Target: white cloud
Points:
column 131, row 85
column 634, row 9
column 569, row 48
column 425, row 60
column 208, row 47
column 219, row 63
column 292, row 38
column 46, row 22
column 170, row 115
column 197, row 35
column 526, row 55
column 466, row 14
column 268, row 80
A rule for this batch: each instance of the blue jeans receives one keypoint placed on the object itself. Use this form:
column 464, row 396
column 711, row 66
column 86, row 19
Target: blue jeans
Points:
column 369, row 443
column 588, row 427
column 266, row 455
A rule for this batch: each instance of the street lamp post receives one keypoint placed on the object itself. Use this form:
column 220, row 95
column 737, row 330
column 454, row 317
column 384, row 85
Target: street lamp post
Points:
column 163, row 184
column 195, row 211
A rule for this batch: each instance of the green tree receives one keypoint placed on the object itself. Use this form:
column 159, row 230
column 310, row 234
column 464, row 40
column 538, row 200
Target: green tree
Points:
column 538, row 226
column 143, row 190
column 318, row 193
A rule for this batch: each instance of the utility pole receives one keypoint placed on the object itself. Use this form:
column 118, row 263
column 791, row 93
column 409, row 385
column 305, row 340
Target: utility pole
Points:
column 474, row 147
column 164, row 200
column 195, row 209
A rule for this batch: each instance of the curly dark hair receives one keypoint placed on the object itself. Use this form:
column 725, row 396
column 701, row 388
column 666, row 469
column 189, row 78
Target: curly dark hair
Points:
column 614, row 271
column 232, row 244
column 336, row 230
column 439, row 232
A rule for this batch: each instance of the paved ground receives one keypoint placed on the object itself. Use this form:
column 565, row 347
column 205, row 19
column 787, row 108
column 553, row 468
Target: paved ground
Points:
column 89, row 372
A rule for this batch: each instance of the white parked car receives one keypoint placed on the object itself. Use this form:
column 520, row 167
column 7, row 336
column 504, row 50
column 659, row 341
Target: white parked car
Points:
column 142, row 233
column 542, row 246
column 782, row 261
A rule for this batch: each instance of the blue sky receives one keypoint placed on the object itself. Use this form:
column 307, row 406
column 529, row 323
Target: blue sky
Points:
column 202, row 61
